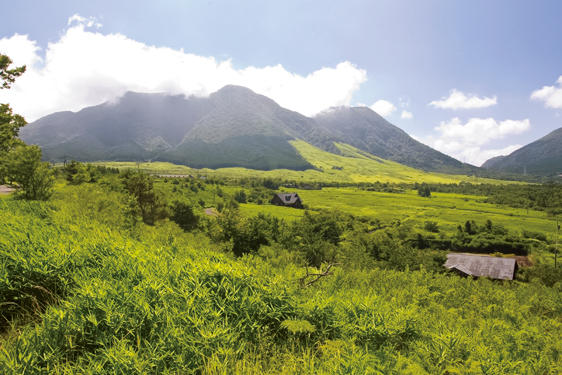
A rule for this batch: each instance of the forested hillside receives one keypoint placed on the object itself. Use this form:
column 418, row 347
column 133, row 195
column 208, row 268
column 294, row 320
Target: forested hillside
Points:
column 542, row 157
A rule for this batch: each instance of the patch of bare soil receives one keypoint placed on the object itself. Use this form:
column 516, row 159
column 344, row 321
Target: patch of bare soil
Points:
column 523, row 261
column 211, row 212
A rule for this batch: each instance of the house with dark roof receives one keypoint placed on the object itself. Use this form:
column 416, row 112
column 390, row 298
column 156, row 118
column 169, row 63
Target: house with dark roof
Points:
column 482, row 266
column 287, row 200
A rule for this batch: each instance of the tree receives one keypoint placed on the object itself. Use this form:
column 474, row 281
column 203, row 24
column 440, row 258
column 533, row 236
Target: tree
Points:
column 424, row 191
column 318, row 237
column 240, row 196
column 150, row 205
column 183, row 215
column 25, row 170
column 10, row 123
column 8, row 76
column 20, row 164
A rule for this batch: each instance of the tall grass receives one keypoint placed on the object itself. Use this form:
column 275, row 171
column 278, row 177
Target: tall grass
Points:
column 83, row 290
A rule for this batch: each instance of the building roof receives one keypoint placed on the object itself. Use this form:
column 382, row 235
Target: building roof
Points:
column 288, row 198
column 482, row 265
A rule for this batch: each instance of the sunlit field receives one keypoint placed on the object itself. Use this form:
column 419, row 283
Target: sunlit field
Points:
column 352, row 166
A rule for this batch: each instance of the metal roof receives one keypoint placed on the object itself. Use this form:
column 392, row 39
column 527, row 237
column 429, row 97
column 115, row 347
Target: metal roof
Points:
column 482, row 265
column 288, row 198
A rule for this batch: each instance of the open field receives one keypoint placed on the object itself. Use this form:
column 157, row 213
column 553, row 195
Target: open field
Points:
column 353, row 166
column 448, row 209
column 86, row 290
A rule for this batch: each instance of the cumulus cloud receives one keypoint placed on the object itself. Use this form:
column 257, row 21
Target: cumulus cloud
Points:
column 86, row 67
column 406, row 115
column 459, row 100
column 469, row 142
column 383, row 107
column 550, row 95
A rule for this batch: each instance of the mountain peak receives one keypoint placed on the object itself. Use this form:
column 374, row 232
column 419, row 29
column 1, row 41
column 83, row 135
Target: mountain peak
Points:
column 234, row 89
column 541, row 157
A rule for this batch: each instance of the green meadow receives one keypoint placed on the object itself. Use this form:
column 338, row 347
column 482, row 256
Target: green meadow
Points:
column 446, row 208
column 121, row 272
column 86, row 287
column 352, row 166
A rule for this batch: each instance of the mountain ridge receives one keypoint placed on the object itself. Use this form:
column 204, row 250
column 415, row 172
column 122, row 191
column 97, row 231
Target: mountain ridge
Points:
column 231, row 127
column 542, row 157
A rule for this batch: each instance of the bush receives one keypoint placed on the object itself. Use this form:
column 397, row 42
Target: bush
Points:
column 33, row 178
column 240, row 196
column 431, row 226
column 150, row 205
column 535, row 235
column 183, row 215
column 424, row 190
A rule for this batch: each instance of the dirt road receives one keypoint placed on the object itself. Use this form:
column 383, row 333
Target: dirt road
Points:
column 5, row 190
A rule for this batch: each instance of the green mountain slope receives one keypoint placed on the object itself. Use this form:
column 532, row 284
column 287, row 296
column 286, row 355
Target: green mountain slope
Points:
column 248, row 130
column 233, row 127
column 542, row 157
column 365, row 129
column 351, row 165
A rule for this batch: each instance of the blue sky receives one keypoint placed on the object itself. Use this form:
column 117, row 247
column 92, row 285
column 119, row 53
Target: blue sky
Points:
column 401, row 54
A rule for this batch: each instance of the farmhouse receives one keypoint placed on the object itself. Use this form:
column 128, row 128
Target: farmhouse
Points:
column 287, row 200
column 482, row 265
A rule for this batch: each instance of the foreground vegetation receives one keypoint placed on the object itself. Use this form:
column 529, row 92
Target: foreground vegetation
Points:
column 103, row 279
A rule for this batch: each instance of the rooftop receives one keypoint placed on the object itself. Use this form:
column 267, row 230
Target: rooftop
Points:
column 482, row 265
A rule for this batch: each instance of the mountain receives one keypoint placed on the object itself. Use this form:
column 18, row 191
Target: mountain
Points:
column 365, row 129
column 233, row 127
column 249, row 130
column 542, row 157
column 137, row 127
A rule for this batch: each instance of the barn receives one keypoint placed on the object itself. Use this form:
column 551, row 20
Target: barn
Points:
column 482, row 266
column 287, row 200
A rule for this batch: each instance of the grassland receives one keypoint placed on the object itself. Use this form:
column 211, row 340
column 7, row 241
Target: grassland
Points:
column 352, row 166
column 85, row 290
column 448, row 209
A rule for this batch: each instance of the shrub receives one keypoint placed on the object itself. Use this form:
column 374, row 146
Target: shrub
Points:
column 431, row 226
column 183, row 215
column 240, row 196
column 34, row 179
column 424, row 190
column 151, row 206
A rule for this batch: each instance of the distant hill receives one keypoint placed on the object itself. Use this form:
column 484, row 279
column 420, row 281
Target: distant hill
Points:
column 542, row 157
column 365, row 129
column 233, row 127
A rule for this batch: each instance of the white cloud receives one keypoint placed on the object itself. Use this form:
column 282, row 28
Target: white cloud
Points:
column 550, row 95
column 21, row 50
column 468, row 142
column 458, row 100
column 86, row 67
column 79, row 20
column 406, row 115
column 479, row 131
column 383, row 107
